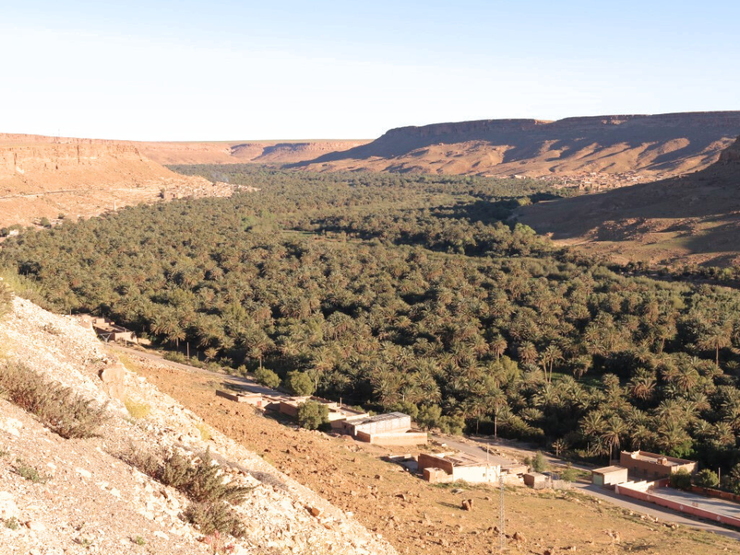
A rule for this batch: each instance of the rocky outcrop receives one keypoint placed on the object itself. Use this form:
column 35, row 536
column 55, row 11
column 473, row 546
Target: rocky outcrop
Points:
column 732, row 154
column 649, row 145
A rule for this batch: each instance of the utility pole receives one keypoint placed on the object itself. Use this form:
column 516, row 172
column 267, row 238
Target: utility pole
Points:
column 502, row 515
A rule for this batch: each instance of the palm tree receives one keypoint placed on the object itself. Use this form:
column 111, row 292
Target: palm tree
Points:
column 548, row 358
column 612, row 433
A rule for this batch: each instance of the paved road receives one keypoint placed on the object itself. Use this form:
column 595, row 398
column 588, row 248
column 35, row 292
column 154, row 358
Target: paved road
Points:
column 477, row 448
column 719, row 506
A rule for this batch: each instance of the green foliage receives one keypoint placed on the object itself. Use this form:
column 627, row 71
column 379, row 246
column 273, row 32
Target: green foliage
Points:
column 312, row 415
column 732, row 482
column 138, row 540
column 300, row 383
column 215, row 517
column 706, row 478
column 681, row 479
column 11, row 523
column 58, row 407
column 570, row 474
column 44, row 222
column 402, row 291
column 267, row 377
column 201, row 481
column 539, row 462
column 429, row 417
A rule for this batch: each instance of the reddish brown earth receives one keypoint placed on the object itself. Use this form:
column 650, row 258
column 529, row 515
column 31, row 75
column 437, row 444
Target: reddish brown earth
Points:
column 628, row 148
column 414, row 516
column 695, row 218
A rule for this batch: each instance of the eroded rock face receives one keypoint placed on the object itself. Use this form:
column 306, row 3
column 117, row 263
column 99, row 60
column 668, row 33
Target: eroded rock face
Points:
column 114, row 380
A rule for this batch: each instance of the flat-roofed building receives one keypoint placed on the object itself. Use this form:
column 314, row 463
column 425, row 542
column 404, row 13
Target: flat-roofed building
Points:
column 652, row 466
column 450, row 467
column 609, row 476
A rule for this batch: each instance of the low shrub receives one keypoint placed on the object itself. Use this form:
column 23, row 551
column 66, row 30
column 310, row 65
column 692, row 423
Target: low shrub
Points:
column 201, row 481
column 58, row 407
column 312, row 415
column 681, row 479
column 215, row 517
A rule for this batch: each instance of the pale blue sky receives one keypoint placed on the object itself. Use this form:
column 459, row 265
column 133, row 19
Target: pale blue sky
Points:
column 226, row 70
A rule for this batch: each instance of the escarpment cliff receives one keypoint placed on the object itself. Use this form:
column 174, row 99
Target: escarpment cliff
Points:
column 45, row 177
column 629, row 148
column 251, row 152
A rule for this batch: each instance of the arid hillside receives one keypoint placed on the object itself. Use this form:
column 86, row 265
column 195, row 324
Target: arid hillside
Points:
column 605, row 150
column 252, row 152
column 44, row 177
column 695, row 218
column 93, row 493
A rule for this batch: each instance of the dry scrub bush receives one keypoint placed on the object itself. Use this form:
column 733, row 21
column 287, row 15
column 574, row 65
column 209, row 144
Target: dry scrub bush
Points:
column 215, row 517
column 201, row 481
column 62, row 410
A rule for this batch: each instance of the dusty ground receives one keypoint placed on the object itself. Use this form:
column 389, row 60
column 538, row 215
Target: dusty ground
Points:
column 413, row 515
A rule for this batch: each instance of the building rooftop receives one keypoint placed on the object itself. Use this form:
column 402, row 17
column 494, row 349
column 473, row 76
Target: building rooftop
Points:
column 608, row 469
column 656, row 458
column 461, row 459
column 381, row 418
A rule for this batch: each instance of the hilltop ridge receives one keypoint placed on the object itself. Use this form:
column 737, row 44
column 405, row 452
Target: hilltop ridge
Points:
column 631, row 147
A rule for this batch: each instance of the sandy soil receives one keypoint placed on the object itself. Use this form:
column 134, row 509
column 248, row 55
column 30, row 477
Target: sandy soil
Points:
column 417, row 517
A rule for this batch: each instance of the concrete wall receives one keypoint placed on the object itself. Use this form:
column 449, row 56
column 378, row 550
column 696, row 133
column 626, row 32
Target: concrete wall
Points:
column 476, row 474
column 719, row 494
column 428, row 461
column 610, row 478
column 402, row 438
column 683, row 508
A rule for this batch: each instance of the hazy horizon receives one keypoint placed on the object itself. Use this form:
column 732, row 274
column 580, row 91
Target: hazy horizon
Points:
column 224, row 71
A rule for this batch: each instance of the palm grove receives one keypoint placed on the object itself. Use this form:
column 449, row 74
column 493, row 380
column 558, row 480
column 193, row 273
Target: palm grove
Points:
column 413, row 293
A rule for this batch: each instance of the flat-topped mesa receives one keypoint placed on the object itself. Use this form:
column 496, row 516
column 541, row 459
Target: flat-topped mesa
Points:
column 615, row 147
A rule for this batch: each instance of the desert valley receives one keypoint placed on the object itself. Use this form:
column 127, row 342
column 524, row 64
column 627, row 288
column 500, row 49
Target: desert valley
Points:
column 516, row 287
column 389, row 278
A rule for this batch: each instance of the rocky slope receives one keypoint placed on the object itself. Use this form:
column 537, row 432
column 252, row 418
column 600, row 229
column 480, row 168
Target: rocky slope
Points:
column 694, row 218
column 613, row 150
column 253, row 152
column 90, row 500
column 47, row 176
